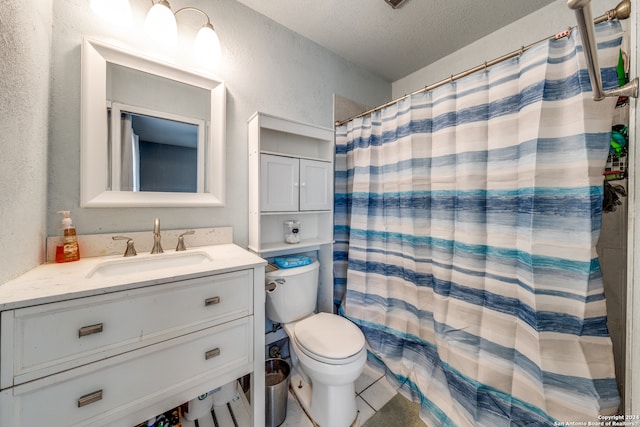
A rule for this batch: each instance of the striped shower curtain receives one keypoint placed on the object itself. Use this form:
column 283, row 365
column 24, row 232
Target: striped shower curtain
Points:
column 466, row 220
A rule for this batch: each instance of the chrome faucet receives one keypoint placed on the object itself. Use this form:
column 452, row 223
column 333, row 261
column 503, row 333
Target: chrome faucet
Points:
column 157, row 247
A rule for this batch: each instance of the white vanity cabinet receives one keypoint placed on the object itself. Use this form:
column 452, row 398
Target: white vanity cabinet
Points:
column 128, row 353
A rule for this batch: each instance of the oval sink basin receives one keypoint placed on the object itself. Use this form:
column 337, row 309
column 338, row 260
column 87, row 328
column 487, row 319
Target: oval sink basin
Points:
column 148, row 263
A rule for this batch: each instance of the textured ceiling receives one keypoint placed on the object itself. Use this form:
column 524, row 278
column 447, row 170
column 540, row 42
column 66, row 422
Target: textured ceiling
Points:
column 394, row 43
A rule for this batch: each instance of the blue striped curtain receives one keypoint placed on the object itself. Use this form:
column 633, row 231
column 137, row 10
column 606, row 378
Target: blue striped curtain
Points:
column 466, row 220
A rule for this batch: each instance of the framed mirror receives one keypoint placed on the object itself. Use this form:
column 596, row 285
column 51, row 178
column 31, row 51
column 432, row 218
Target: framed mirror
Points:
column 152, row 134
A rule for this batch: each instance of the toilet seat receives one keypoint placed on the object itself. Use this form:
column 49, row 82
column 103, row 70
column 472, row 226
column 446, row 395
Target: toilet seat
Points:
column 329, row 338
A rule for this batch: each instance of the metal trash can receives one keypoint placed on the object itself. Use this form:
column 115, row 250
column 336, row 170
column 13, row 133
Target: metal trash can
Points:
column 276, row 391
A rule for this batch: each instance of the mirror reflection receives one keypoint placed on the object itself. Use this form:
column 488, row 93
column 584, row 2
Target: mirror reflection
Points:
column 157, row 154
column 156, row 132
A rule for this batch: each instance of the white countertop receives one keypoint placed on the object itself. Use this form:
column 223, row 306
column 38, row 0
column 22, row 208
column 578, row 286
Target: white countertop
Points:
column 57, row 282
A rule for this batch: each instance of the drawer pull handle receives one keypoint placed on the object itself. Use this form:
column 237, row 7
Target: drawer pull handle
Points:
column 212, row 301
column 90, row 398
column 88, row 330
column 212, row 353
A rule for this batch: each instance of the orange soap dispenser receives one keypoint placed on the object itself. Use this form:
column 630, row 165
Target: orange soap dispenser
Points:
column 67, row 248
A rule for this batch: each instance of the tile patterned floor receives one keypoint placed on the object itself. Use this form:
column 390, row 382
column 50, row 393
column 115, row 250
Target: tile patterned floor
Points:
column 372, row 390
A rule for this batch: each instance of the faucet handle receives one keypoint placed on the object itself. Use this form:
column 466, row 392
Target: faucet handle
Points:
column 181, row 246
column 131, row 250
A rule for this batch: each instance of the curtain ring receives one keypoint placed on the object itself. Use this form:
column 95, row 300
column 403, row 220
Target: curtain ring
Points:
column 485, row 66
column 451, row 79
column 521, row 50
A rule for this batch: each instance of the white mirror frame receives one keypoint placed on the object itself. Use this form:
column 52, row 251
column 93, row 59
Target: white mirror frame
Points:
column 94, row 174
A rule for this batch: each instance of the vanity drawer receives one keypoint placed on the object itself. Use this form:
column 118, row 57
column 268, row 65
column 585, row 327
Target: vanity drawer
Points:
column 100, row 393
column 53, row 337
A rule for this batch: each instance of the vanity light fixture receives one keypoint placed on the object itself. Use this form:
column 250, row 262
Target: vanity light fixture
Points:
column 116, row 12
column 207, row 43
column 161, row 25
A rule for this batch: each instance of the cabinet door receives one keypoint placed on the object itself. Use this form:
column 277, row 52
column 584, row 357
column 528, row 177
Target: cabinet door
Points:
column 315, row 185
column 278, row 183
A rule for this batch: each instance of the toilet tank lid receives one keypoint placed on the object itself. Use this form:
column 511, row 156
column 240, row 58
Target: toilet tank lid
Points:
column 285, row 272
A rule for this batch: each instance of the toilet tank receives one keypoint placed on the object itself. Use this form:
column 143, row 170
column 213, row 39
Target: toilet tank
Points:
column 295, row 293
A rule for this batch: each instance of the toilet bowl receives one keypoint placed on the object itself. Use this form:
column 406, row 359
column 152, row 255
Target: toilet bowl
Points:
column 328, row 352
column 328, row 370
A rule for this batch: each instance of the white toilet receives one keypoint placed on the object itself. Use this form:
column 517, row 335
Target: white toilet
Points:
column 327, row 351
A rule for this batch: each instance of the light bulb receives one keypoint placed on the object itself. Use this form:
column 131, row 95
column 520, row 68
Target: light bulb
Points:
column 116, row 12
column 161, row 23
column 207, row 45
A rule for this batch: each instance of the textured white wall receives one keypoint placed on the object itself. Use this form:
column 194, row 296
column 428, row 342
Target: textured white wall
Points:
column 538, row 25
column 266, row 67
column 25, row 32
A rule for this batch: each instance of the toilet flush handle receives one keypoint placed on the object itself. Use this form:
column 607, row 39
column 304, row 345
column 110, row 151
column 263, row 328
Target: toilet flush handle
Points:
column 272, row 285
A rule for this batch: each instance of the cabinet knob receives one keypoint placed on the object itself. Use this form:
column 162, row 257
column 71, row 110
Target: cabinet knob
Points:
column 90, row 398
column 89, row 330
column 212, row 301
column 212, row 353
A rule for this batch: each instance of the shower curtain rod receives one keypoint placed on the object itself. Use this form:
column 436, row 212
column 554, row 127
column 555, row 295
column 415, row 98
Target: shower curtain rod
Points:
column 587, row 32
column 621, row 11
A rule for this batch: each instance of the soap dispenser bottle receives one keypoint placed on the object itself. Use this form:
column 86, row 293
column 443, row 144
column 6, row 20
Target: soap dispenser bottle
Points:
column 67, row 248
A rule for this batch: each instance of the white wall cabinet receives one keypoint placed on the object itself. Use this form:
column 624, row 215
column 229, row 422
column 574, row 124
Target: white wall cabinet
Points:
column 118, row 358
column 291, row 178
column 289, row 184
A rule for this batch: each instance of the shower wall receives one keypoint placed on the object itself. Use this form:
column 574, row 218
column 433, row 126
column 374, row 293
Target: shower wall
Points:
column 612, row 250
